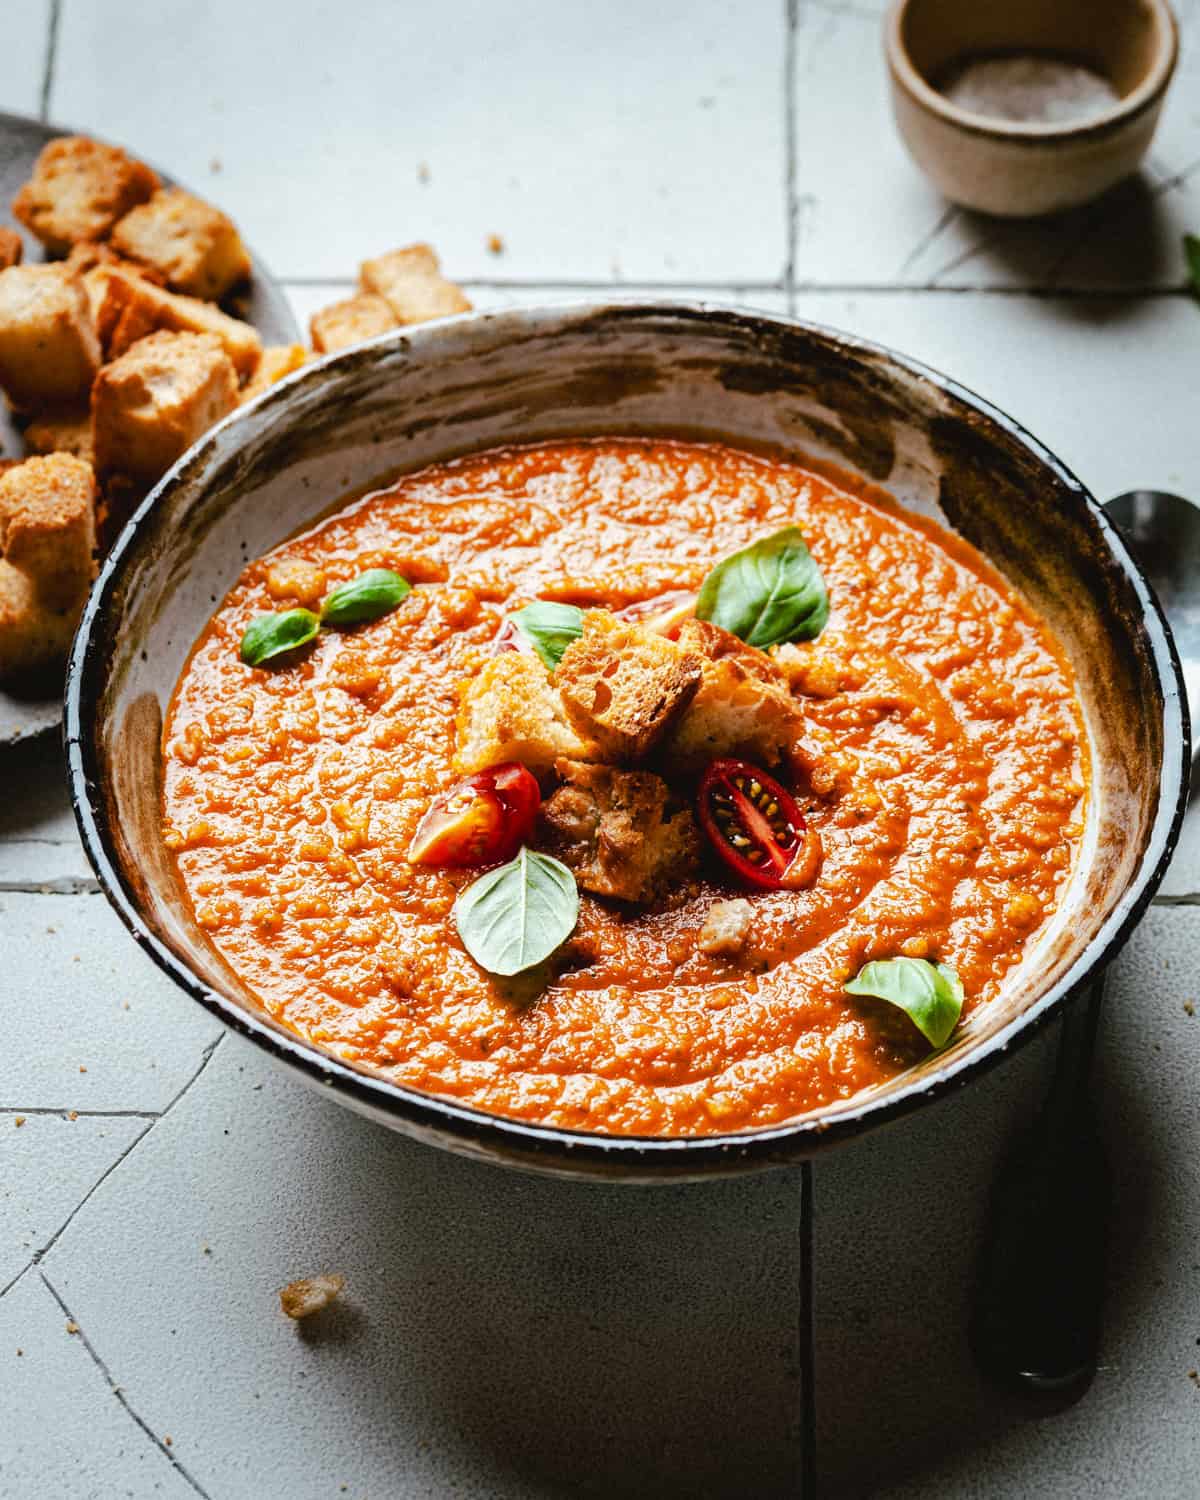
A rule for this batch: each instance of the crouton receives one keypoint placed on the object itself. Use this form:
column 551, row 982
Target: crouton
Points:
column 623, row 833
column 195, row 246
column 743, row 706
column 34, row 639
column 90, row 255
column 277, row 361
column 49, row 351
column 150, row 405
column 11, row 248
column 65, row 430
column 300, row 1299
column 132, row 307
column 726, row 928
column 350, row 322
column 512, row 711
column 78, row 191
column 624, row 686
column 47, row 526
column 411, row 283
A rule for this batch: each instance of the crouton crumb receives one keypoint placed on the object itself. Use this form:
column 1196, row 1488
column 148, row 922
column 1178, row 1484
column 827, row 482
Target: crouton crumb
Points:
column 726, row 928
column 300, row 1299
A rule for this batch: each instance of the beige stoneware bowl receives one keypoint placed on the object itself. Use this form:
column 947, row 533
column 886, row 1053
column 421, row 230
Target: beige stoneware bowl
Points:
column 1014, row 168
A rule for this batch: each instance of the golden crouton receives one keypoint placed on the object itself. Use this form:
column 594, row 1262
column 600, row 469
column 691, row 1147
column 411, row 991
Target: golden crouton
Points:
column 352, row 321
column 277, row 361
column 47, row 525
column 411, row 283
column 132, row 307
column 624, row 686
column 65, row 430
column 300, row 1299
column 78, row 191
column 11, row 248
column 743, row 706
column 623, row 833
column 48, row 347
column 150, row 405
column 512, row 711
column 34, row 638
column 195, row 246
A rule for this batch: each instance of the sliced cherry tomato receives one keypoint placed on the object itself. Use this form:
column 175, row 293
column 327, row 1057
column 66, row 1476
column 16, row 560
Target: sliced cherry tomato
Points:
column 510, row 638
column 483, row 820
column 754, row 825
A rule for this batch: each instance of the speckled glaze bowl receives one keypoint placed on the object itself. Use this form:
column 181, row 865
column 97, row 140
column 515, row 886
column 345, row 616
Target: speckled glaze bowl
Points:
column 416, row 397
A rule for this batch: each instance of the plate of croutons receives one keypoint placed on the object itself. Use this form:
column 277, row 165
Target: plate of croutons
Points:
column 132, row 318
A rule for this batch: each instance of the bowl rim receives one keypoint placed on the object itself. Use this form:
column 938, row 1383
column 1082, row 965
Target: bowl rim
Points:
column 555, row 1148
column 1145, row 95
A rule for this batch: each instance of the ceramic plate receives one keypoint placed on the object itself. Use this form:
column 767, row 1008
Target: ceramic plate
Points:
column 264, row 305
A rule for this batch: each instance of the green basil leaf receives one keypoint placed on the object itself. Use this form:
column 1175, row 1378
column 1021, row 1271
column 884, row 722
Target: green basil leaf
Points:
column 368, row 597
column 549, row 628
column 514, row 917
column 931, row 994
column 1191, row 250
column 271, row 635
column 770, row 592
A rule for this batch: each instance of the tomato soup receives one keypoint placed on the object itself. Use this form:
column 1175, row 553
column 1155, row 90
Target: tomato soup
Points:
column 940, row 762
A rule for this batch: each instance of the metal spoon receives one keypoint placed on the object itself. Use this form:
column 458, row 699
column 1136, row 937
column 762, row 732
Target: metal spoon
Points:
column 1040, row 1292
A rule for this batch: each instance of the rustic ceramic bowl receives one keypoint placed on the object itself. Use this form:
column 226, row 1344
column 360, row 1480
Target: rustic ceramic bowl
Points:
column 412, row 398
column 1012, row 168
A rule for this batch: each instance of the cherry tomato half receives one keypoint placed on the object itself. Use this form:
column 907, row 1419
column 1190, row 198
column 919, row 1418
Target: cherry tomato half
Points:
column 755, row 825
column 483, row 820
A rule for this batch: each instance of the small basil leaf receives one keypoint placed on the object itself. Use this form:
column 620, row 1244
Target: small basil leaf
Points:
column 770, row 592
column 549, row 628
column 514, row 917
column 271, row 635
column 368, row 597
column 1191, row 250
column 930, row 994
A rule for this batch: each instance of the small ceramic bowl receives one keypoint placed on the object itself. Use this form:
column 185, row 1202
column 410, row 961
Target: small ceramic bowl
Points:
column 425, row 394
column 1017, row 168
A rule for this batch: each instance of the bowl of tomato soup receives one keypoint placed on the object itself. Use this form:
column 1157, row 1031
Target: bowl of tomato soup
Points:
column 633, row 739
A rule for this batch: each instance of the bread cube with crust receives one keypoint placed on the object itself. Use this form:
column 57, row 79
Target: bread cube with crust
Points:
column 194, row 246
column 512, row 711
column 49, row 351
column 411, row 283
column 349, row 322
column 624, row 686
column 48, row 525
column 743, row 706
column 78, row 191
column 150, row 405
column 623, row 833
column 130, row 308
column 62, row 430
column 277, row 361
column 34, row 639
column 12, row 249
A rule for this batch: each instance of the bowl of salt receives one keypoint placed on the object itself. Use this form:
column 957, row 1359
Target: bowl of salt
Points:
column 1029, row 107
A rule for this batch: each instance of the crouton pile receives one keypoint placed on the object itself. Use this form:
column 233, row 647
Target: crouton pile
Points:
column 117, row 354
column 625, row 703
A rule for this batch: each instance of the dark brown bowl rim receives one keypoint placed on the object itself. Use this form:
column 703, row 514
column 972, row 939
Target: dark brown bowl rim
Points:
column 551, row 1148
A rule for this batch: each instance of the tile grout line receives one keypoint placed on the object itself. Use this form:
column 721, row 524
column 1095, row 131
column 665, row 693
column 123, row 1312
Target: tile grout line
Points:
column 826, row 288
column 38, row 1255
column 60, row 885
column 117, row 1391
column 807, row 1336
column 52, row 28
column 791, row 14
column 82, row 1114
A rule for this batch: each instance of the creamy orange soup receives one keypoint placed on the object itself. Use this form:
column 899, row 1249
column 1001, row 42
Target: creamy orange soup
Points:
column 942, row 764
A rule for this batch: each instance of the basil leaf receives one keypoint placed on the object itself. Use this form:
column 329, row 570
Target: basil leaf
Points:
column 368, row 597
column 514, row 917
column 931, row 994
column 549, row 628
column 1191, row 250
column 770, row 592
column 271, row 635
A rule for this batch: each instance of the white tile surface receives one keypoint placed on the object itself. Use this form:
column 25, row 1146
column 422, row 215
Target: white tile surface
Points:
column 70, row 970
column 23, row 55
column 601, row 142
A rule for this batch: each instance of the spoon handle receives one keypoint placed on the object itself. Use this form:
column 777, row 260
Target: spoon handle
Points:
column 1040, row 1292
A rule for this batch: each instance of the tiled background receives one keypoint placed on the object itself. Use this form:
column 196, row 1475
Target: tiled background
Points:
column 505, row 1336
